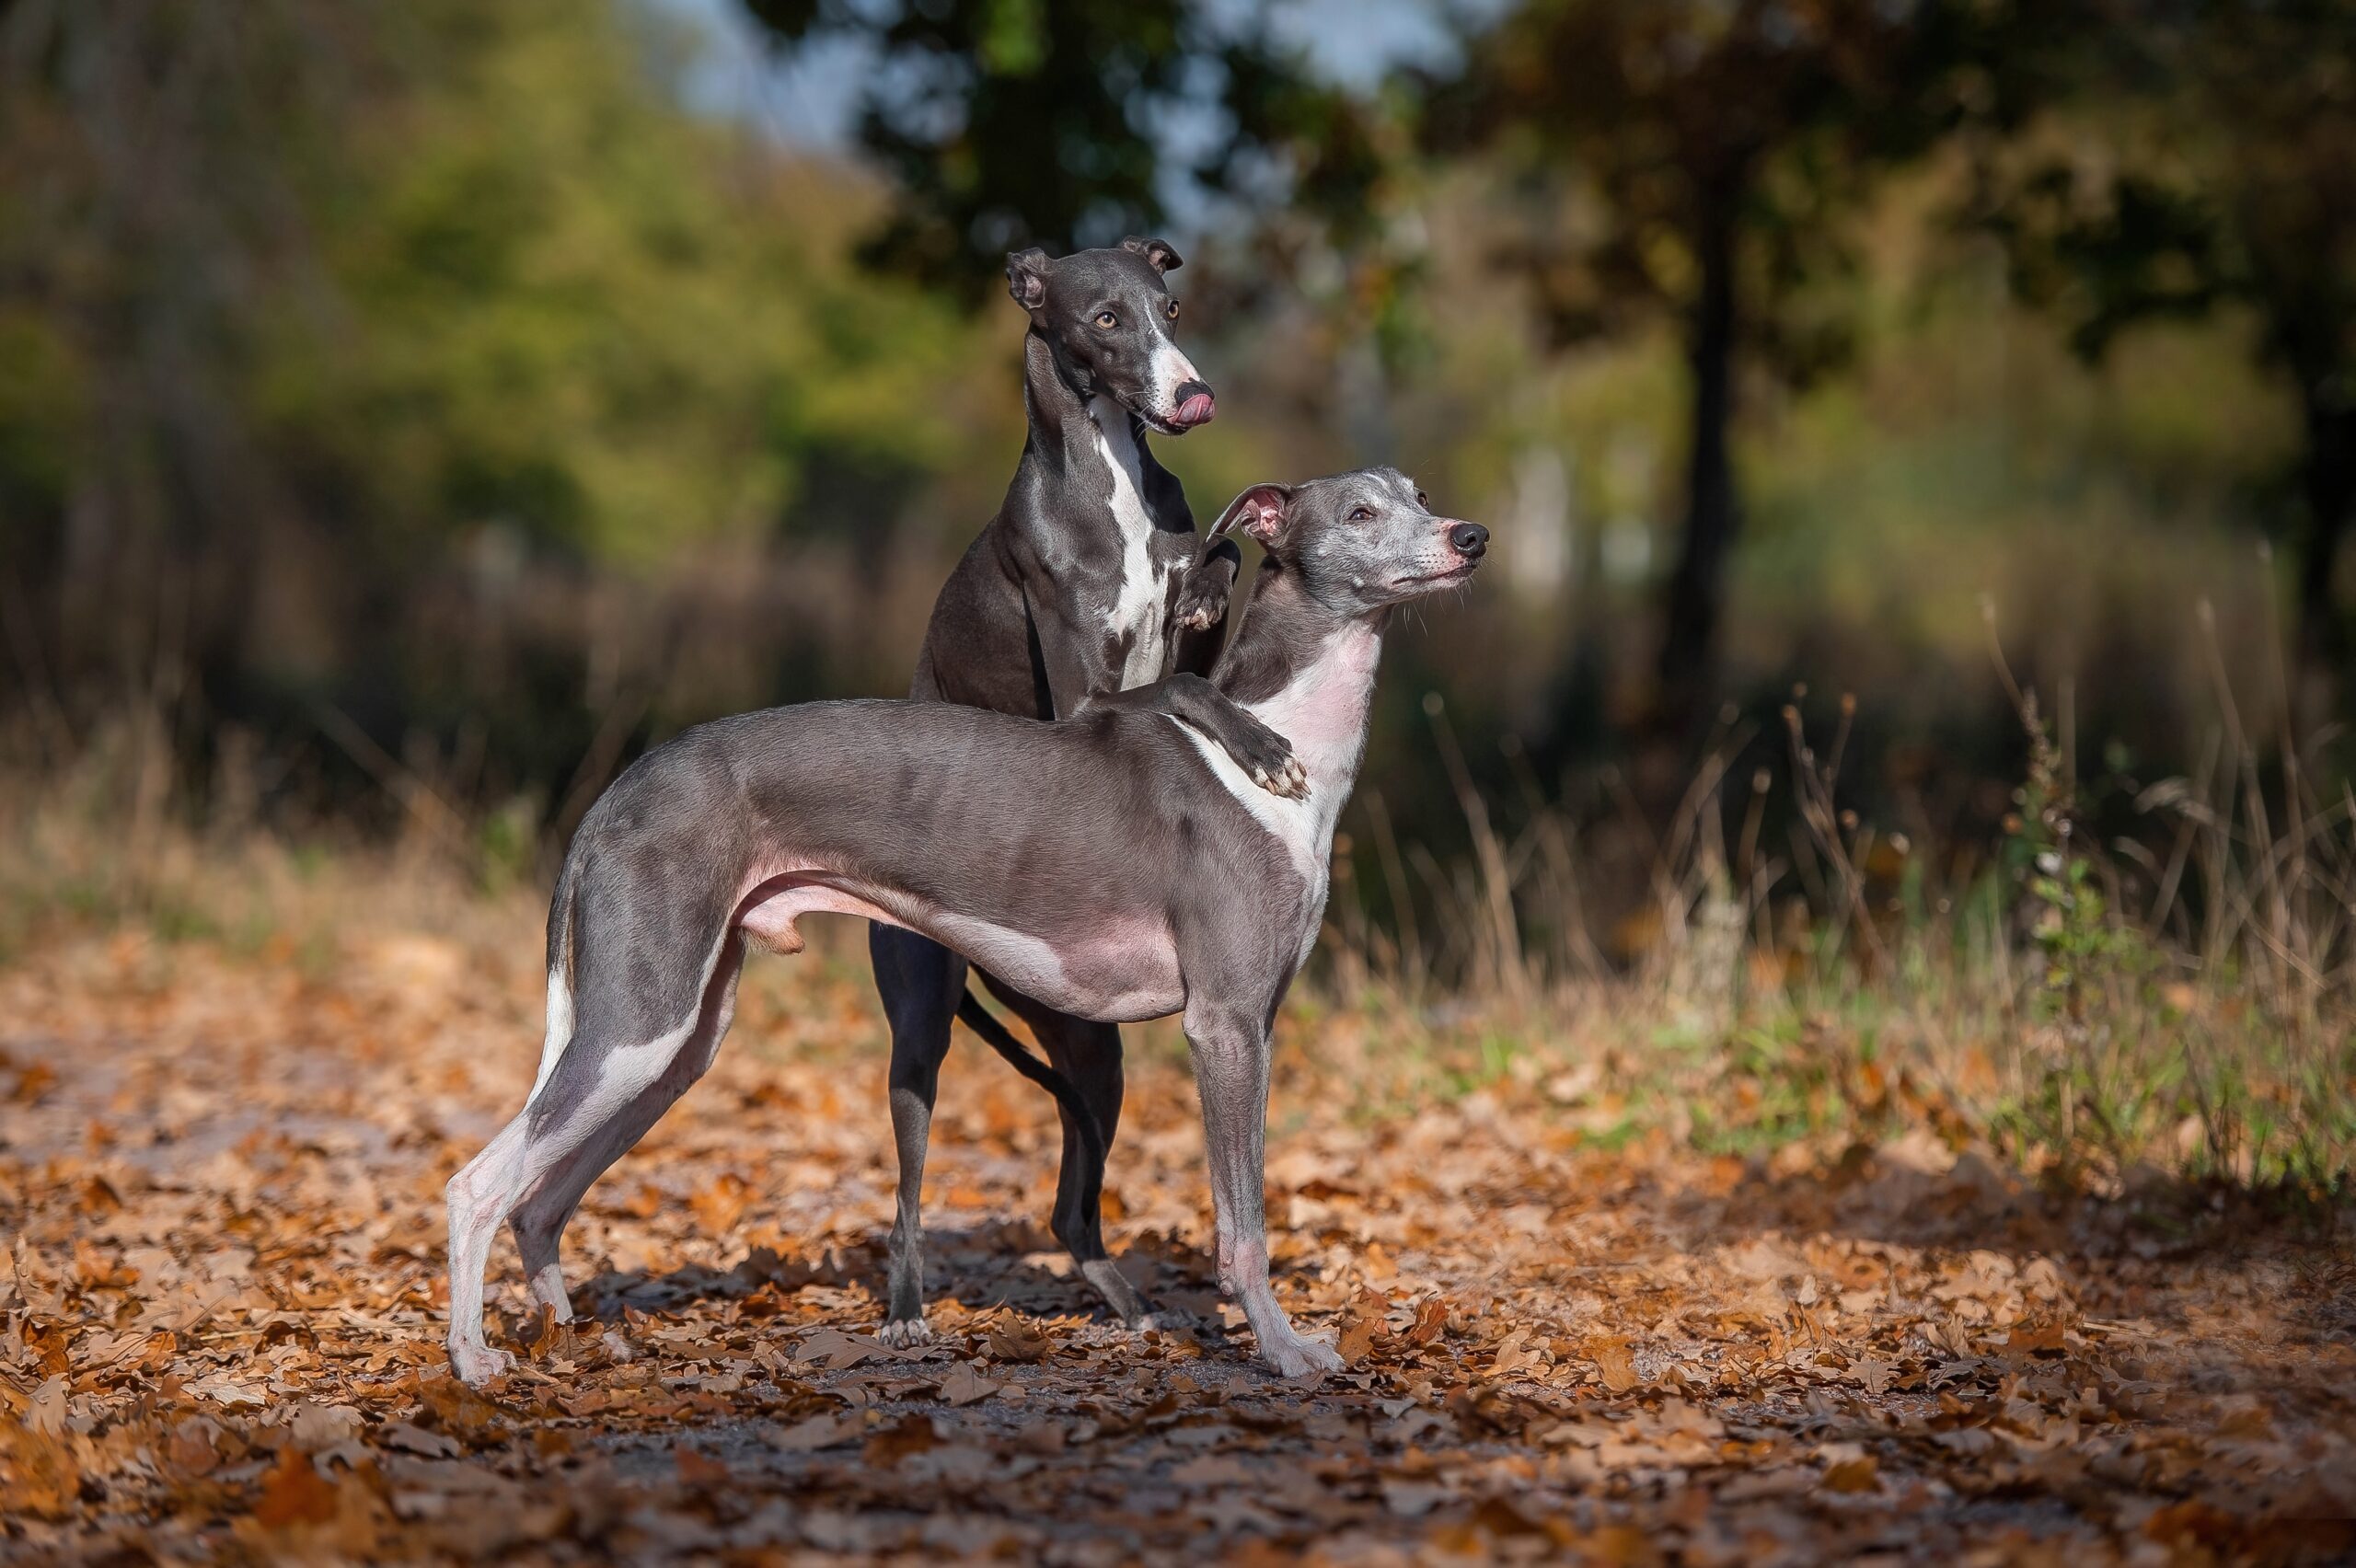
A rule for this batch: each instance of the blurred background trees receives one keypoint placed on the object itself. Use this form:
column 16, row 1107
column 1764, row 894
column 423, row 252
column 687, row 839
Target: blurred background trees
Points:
column 2204, row 162
column 1710, row 160
column 455, row 397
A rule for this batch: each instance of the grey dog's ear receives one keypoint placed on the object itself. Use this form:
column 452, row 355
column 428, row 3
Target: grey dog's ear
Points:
column 1156, row 251
column 1260, row 511
column 1026, row 277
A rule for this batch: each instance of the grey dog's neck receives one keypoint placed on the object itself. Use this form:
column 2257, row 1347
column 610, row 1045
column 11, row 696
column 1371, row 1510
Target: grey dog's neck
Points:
column 1308, row 673
column 1285, row 635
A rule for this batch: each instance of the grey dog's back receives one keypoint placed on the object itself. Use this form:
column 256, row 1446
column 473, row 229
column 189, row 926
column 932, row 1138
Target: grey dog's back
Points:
column 1041, row 826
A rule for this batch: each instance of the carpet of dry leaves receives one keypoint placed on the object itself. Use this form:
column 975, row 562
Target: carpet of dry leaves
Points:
column 220, row 1185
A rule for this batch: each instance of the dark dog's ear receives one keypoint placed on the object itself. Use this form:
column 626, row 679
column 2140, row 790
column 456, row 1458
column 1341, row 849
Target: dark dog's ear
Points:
column 1026, row 277
column 1260, row 512
column 1156, row 251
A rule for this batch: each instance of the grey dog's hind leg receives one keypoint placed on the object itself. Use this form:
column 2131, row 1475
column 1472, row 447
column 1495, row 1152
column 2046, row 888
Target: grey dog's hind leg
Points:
column 538, row 1222
column 631, row 1054
column 920, row 982
column 1088, row 1056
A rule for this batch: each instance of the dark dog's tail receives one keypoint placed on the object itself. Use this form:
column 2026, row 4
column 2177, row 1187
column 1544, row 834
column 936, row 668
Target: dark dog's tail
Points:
column 994, row 1034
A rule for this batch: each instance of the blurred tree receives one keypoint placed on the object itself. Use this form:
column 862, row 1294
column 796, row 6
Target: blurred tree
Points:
column 350, row 355
column 1007, row 123
column 2210, row 161
column 1702, row 157
column 293, row 282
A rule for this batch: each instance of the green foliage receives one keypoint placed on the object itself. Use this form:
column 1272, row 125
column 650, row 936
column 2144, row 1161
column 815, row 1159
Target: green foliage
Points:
column 502, row 280
column 577, row 313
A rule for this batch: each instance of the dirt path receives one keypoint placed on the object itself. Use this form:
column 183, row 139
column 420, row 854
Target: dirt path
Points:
column 221, row 1178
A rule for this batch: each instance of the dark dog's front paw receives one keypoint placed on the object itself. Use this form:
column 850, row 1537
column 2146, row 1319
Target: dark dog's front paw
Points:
column 1267, row 757
column 1202, row 598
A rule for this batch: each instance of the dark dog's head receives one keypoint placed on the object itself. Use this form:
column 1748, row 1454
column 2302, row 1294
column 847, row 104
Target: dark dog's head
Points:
column 1360, row 541
column 1110, row 316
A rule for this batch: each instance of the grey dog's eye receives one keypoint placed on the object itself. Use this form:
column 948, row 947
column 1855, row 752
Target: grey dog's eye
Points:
column 1172, row 311
column 1423, row 501
column 1107, row 320
column 1361, row 513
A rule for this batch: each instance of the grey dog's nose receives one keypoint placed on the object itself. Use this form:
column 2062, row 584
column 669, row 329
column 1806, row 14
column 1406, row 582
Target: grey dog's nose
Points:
column 1469, row 540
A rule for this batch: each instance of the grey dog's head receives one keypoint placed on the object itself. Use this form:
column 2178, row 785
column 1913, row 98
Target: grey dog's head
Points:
column 1359, row 541
column 1109, row 315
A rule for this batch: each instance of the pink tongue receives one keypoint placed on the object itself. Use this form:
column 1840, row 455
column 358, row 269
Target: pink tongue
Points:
column 1196, row 410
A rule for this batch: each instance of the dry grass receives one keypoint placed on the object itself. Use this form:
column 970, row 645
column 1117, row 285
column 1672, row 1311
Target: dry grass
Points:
column 2173, row 1003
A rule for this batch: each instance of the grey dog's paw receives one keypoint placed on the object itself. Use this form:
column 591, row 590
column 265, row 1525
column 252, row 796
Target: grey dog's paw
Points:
column 478, row 1364
column 1297, row 1357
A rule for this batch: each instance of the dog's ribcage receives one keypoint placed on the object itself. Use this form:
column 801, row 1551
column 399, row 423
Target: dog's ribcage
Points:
column 1137, row 610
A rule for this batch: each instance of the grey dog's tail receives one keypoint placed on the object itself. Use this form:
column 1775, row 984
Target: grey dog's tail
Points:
column 994, row 1034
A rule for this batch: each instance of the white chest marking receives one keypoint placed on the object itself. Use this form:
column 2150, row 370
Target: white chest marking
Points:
column 1322, row 712
column 1145, row 588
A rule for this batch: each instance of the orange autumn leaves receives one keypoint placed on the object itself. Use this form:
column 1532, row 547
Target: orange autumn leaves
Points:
column 220, row 1315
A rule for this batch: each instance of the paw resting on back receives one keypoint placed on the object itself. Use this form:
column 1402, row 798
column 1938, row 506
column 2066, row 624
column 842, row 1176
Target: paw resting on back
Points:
column 1267, row 757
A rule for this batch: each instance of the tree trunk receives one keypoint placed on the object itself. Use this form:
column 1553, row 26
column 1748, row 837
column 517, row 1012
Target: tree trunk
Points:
column 2328, row 478
column 1696, row 592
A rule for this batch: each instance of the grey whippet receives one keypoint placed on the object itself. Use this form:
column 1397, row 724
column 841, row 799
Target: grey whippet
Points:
column 1086, row 582
column 1115, row 865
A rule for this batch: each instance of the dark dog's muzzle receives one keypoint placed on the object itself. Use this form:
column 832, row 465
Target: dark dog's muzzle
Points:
column 1196, row 406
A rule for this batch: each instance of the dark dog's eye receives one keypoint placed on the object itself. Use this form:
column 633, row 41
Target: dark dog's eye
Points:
column 1172, row 311
column 1361, row 513
column 1107, row 320
column 1423, row 501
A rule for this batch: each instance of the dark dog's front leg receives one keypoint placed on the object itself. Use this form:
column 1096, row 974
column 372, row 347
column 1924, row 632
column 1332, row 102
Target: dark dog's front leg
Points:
column 1262, row 753
column 1201, row 604
column 1088, row 1055
column 1230, row 1047
column 920, row 982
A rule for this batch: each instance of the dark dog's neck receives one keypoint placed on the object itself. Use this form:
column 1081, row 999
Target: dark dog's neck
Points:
column 1057, row 402
column 1308, row 673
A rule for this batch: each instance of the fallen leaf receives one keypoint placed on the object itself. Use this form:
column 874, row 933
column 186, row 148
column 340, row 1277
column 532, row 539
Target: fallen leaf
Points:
column 1019, row 1341
column 817, row 1432
column 966, row 1385
column 914, row 1433
column 835, row 1350
column 1616, row 1363
column 295, row 1492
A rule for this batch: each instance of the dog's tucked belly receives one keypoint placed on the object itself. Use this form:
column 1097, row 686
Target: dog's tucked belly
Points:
column 1124, row 970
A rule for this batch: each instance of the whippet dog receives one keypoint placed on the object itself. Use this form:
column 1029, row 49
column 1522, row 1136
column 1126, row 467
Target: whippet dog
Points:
column 1117, row 866
column 1086, row 582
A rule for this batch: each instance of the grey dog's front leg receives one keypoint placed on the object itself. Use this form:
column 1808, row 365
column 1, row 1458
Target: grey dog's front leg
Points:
column 1231, row 1051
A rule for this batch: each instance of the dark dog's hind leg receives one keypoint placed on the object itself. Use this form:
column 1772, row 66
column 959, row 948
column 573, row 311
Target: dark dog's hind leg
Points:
column 1089, row 1056
column 920, row 982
